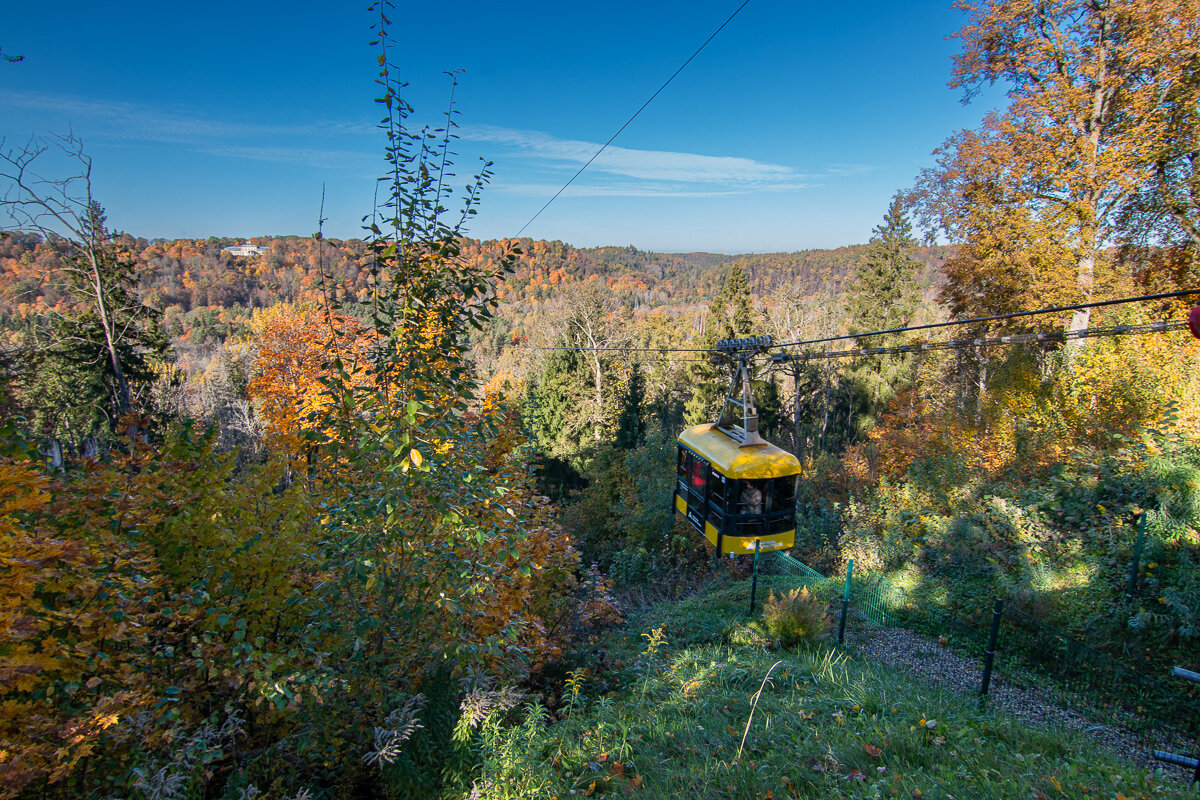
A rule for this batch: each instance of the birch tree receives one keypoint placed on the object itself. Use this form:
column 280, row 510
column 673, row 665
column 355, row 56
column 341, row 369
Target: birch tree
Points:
column 94, row 268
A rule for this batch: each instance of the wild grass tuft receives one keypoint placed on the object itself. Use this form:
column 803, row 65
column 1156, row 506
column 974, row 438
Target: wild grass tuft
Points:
column 796, row 617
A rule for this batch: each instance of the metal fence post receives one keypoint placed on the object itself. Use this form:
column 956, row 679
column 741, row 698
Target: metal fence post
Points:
column 990, row 655
column 1137, row 557
column 845, row 601
column 754, row 577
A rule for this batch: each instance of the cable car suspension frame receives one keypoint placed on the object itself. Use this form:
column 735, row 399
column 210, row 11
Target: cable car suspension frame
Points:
column 739, row 400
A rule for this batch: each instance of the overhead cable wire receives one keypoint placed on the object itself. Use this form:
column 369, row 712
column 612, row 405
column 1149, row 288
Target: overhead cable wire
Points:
column 994, row 317
column 1019, row 338
column 605, row 349
column 1056, row 336
column 604, row 146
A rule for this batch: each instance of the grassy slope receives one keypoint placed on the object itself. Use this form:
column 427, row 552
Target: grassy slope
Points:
column 668, row 724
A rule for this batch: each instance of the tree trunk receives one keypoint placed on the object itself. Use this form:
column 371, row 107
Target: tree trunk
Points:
column 599, row 417
column 123, row 401
column 1085, row 281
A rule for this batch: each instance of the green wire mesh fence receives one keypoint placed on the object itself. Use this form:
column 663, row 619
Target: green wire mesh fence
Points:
column 1084, row 677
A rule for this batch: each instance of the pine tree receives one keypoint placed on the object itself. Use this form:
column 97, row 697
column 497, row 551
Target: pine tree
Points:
column 732, row 313
column 885, row 295
column 552, row 413
column 730, row 316
column 631, row 423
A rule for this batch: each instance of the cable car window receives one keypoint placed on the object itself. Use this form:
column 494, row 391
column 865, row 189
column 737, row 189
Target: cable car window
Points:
column 685, row 458
column 716, row 488
column 752, row 496
column 751, row 527
column 698, row 476
column 784, row 493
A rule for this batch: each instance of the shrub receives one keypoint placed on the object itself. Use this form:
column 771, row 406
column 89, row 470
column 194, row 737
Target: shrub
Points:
column 796, row 617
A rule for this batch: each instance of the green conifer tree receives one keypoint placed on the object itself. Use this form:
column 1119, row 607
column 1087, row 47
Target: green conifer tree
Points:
column 631, row 422
column 731, row 315
column 884, row 295
column 551, row 412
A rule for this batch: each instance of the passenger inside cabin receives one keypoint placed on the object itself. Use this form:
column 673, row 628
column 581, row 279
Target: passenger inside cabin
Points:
column 751, row 501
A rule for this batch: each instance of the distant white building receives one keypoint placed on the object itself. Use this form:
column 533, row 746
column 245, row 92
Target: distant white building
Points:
column 246, row 249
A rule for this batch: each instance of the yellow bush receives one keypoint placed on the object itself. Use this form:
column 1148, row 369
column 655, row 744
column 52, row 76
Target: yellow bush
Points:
column 796, row 617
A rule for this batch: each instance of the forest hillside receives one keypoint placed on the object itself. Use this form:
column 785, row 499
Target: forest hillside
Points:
column 398, row 516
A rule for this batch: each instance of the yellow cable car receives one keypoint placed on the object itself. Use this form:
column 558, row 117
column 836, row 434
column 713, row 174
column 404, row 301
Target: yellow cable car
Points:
column 734, row 487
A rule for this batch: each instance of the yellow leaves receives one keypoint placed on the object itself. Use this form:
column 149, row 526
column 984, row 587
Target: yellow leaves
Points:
column 74, row 582
column 22, row 489
column 106, row 721
column 297, row 348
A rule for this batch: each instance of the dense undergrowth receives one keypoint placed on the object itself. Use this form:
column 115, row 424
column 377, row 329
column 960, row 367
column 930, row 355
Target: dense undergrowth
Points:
column 1062, row 548
column 1038, row 501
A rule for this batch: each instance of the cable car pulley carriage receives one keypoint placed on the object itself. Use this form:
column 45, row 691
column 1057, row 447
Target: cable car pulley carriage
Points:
column 734, row 487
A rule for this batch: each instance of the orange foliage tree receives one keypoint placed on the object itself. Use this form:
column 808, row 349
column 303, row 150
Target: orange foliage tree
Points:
column 299, row 349
column 1088, row 87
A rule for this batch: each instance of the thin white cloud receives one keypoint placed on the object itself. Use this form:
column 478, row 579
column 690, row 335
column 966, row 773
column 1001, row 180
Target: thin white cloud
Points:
column 313, row 157
column 124, row 121
column 848, row 170
column 647, row 173
column 546, row 190
column 648, row 165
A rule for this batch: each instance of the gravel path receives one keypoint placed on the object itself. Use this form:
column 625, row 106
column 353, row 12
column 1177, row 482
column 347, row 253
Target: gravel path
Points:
column 923, row 656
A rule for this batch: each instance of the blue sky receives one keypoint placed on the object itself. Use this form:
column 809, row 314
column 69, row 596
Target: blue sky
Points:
column 790, row 131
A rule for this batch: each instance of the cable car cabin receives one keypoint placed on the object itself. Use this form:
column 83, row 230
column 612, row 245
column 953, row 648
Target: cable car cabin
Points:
column 736, row 494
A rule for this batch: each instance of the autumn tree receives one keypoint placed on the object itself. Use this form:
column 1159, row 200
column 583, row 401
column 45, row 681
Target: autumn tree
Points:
column 592, row 321
column 427, row 508
column 816, row 388
column 296, row 347
column 1087, row 82
column 1161, row 221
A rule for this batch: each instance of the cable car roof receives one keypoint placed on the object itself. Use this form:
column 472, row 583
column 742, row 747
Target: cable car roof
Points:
column 732, row 461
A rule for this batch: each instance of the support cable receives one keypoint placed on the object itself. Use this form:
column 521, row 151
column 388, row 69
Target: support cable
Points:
column 604, row 146
column 1117, row 330
column 1020, row 338
column 995, row 317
